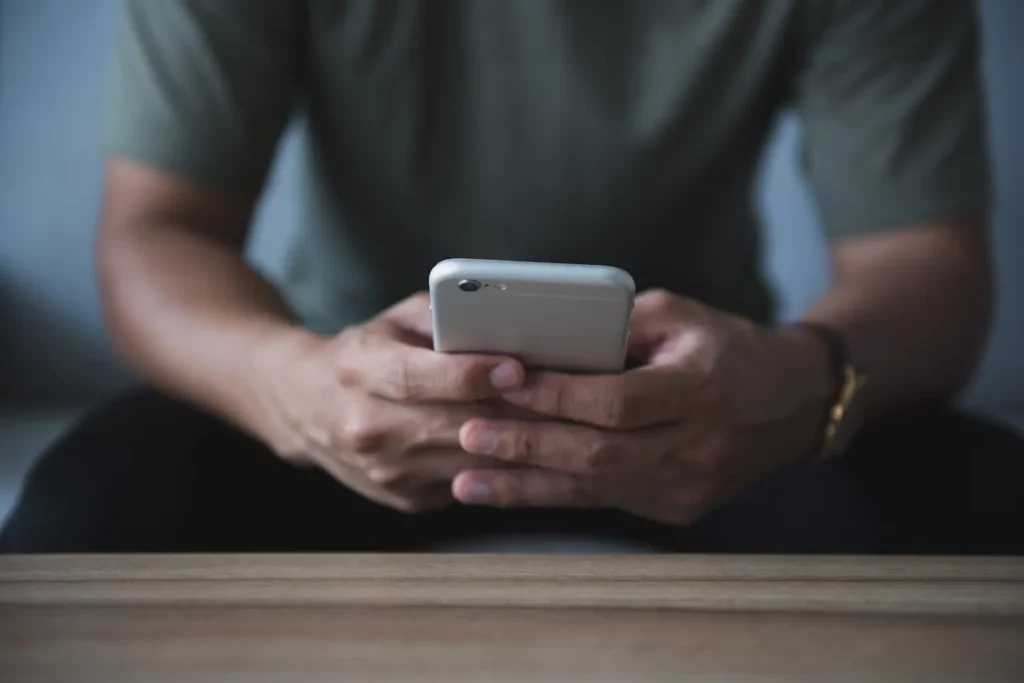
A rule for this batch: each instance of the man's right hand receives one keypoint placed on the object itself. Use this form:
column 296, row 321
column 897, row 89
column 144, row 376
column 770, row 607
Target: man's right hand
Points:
column 374, row 406
column 378, row 409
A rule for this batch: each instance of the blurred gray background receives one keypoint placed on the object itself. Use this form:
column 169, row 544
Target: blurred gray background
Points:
column 54, row 357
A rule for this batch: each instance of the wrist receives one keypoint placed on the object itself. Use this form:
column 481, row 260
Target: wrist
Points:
column 284, row 360
column 809, row 374
column 283, row 346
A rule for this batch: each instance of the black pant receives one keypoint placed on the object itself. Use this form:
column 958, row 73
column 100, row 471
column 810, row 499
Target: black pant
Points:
column 145, row 473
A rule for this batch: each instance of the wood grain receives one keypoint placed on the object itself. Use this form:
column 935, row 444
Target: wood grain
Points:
column 168, row 643
column 990, row 586
column 509, row 618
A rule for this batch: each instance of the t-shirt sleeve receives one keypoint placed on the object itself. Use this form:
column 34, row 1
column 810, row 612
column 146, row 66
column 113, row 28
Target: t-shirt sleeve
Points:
column 894, row 124
column 204, row 88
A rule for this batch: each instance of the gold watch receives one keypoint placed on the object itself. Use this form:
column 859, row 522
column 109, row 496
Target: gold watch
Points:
column 846, row 414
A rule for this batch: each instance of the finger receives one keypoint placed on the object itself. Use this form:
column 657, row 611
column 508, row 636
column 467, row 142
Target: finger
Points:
column 424, row 426
column 654, row 314
column 389, row 368
column 378, row 426
column 412, row 314
column 521, row 488
column 400, row 491
column 666, row 329
column 423, row 468
column 428, row 499
column 356, row 480
column 644, row 397
column 574, row 449
column 444, row 466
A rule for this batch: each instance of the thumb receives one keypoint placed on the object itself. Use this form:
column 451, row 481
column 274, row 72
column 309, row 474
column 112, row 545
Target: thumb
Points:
column 385, row 365
column 412, row 314
column 410, row 373
column 393, row 359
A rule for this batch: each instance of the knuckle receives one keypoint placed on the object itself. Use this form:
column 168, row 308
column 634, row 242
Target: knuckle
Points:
column 559, row 398
column 296, row 457
column 396, row 382
column 363, row 437
column 661, row 299
column 413, row 505
column 703, row 356
column 613, row 411
column 508, row 499
column 406, row 505
column 387, row 476
column 524, row 447
column 350, row 350
column 346, row 375
column 459, row 377
column 396, row 377
column 597, row 457
column 505, row 494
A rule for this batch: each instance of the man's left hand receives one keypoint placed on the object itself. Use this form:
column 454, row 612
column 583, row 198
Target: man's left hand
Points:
column 718, row 402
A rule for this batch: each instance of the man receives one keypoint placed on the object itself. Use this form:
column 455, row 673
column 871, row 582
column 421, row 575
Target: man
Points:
column 315, row 416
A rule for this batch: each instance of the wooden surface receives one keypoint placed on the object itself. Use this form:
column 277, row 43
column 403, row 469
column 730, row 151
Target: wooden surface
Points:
column 510, row 618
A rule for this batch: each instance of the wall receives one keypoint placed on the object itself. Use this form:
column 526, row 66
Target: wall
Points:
column 54, row 55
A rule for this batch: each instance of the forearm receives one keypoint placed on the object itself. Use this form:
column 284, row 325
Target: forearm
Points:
column 915, row 309
column 186, row 311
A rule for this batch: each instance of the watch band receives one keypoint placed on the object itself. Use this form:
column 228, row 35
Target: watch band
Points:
column 846, row 382
column 835, row 346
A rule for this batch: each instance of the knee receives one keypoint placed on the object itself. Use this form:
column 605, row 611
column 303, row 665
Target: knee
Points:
column 944, row 482
column 107, row 485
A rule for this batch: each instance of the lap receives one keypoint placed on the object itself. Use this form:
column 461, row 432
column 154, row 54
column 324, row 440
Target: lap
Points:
column 147, row 473
column 943, row 482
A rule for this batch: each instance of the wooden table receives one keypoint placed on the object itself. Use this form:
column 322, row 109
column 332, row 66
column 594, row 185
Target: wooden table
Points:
column 621, row 618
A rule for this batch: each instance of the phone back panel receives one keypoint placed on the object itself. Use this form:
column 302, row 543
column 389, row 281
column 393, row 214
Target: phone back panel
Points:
column 573, row 318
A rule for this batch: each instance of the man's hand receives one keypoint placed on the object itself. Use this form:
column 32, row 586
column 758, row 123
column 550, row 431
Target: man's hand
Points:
column 379, row 410
column 718, row 402
column 373, row 406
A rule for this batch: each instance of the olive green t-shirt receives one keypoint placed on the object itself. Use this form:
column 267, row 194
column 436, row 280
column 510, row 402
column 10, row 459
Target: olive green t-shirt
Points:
column 620, row 132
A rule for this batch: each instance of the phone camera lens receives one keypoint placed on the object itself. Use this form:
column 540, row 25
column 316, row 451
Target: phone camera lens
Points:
column 469, row 285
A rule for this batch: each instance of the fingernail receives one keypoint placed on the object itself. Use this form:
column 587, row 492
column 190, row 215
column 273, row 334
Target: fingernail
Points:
column 482, row 441
column 475, row 492
column 505, row 376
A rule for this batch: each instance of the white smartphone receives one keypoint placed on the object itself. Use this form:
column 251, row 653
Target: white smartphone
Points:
column 572, row 318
